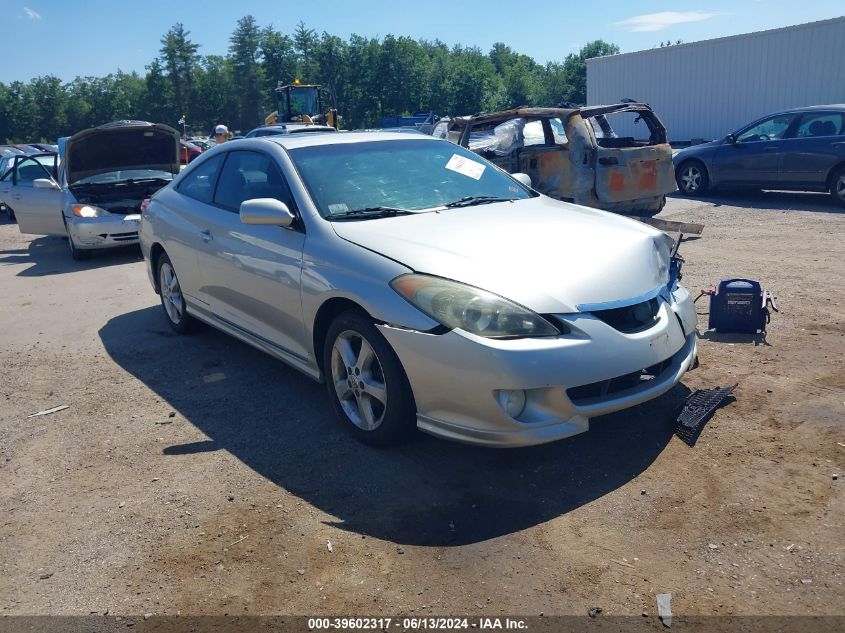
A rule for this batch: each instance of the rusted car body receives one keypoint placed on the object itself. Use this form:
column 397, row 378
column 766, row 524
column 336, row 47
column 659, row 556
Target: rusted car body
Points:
column 576, row 155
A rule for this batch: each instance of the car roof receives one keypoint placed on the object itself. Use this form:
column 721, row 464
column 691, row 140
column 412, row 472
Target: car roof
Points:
column 832, row 106
column 294, row 141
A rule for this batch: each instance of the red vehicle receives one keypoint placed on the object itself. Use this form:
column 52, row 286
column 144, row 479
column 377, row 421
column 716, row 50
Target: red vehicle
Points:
column 188, row 152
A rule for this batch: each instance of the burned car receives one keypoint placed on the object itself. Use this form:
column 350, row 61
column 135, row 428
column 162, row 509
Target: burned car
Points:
column 95, row 197
column 576, row 154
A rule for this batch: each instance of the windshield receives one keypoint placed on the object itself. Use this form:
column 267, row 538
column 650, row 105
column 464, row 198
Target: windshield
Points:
column 125, row 174
column 303, row 101
column 400, row 174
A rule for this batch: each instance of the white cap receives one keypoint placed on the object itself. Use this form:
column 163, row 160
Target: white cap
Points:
column 221, row 129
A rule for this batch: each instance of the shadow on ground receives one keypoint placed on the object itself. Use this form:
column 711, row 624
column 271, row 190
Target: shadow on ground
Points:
column 51, row 256
column 773, row 200
column 429, row 492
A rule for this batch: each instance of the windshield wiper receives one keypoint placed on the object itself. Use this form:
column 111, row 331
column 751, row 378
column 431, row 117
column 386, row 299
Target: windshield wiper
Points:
column 368, row 213
column 468, row 201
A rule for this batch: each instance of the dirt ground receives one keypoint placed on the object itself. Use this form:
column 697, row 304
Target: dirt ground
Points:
column 194, row 475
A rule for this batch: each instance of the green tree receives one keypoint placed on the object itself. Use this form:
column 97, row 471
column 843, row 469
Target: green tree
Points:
column 305, row 44
column 244, row 52
column 278, row 63
column 179, row 57
column 575, row 68
column 157, row 104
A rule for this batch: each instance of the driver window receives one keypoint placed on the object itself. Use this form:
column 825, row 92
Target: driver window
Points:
column 247, row 175
column 27, row 171
column 772, row 129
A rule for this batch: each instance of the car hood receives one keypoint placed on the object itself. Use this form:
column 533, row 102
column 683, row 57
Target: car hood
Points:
column 549, row 256
column 121, row 146
column 695, row 150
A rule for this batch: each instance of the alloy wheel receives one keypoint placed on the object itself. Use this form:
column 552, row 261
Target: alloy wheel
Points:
column 171, row 293
column 691, row 179
column 358, row 379
column 839, row 187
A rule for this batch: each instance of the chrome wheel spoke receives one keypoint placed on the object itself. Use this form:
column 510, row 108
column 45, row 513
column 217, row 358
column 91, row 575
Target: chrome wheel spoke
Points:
column 344, row 391
column 343, row 347
column 365, row 408
column 374, row 390
column 365, row 356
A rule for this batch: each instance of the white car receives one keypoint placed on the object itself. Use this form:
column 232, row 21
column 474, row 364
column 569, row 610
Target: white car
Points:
column 95, row 193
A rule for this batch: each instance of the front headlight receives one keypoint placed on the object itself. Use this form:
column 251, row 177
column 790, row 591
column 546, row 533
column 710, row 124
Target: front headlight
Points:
column 456, row 305
column 88, row 211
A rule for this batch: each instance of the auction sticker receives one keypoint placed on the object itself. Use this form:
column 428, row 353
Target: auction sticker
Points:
column 466, row 167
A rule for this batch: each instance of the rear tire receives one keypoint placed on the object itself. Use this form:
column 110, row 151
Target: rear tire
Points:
column 367, row 385
column 692, row 178
column 837, row 186
column 172, row 299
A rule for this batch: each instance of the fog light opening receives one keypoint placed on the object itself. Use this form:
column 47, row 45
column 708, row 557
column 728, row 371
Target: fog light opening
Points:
column 512, row 401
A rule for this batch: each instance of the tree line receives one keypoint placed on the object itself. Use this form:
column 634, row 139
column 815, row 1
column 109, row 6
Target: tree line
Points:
column 365, row 78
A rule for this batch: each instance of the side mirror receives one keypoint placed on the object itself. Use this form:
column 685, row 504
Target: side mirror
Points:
column 525, row 179
column 45, row 183
column 266, row 212
column 730, row 139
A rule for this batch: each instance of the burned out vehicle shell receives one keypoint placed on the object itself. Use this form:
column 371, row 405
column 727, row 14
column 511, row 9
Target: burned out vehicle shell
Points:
column 580, row 158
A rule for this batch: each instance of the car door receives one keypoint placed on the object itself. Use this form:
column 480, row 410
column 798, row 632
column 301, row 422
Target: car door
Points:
column 816, row 144
column 251, row 274
column 753, row 158
column 189, row 205
column 32, row 192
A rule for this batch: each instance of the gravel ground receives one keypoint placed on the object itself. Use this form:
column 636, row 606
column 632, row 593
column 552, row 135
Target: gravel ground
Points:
column 194, row 475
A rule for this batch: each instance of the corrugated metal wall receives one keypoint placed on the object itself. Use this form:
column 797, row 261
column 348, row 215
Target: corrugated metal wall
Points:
column 708, row 89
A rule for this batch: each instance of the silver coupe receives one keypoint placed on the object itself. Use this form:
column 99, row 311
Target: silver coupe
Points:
column 425, row 286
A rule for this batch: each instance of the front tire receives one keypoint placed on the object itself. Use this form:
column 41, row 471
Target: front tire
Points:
column 837, row 186
column 367, row 385
column 172, row 299
column 692, row 178
column 77, row 254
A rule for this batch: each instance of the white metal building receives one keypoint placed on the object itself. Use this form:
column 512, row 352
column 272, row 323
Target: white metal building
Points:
column 710, row 88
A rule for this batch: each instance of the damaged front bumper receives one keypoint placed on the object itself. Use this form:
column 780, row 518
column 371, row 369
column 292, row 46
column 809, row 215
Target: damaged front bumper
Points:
column 103, row 232
column 458, row 379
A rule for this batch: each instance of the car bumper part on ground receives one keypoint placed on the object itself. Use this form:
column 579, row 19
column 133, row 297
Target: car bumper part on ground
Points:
column 456, row 377
column 104, row 232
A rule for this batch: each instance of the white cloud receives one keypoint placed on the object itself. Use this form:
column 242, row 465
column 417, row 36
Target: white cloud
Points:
column 662, row 20
column 32, row 14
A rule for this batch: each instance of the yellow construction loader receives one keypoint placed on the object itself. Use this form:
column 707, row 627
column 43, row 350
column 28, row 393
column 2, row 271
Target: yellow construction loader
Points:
column 300, row 103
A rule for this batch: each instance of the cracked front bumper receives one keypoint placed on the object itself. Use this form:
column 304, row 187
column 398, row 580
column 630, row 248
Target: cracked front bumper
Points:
column 105, row 232
column 456, row 376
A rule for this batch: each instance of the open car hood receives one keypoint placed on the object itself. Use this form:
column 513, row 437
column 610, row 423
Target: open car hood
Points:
column 547, row 255
column 121, row 145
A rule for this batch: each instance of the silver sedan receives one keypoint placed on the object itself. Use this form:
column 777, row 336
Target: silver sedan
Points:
column 426, row 287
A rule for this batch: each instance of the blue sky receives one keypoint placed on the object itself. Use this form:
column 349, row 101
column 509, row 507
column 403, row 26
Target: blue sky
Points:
column 96, row 37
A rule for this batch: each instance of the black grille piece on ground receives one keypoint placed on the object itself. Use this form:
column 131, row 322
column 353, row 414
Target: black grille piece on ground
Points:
column 698, row 407
column 578, row 395
column 635, row 318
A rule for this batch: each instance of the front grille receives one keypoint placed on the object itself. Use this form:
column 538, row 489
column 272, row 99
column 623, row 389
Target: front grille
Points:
column 120, row 237
column 630, row 319
column 604, row 388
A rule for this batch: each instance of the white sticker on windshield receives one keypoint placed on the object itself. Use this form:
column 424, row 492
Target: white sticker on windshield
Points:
column 340, row 207
column 466, row 166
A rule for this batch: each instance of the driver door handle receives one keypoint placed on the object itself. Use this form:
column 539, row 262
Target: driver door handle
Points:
column 771, row 148
column 206, row 235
